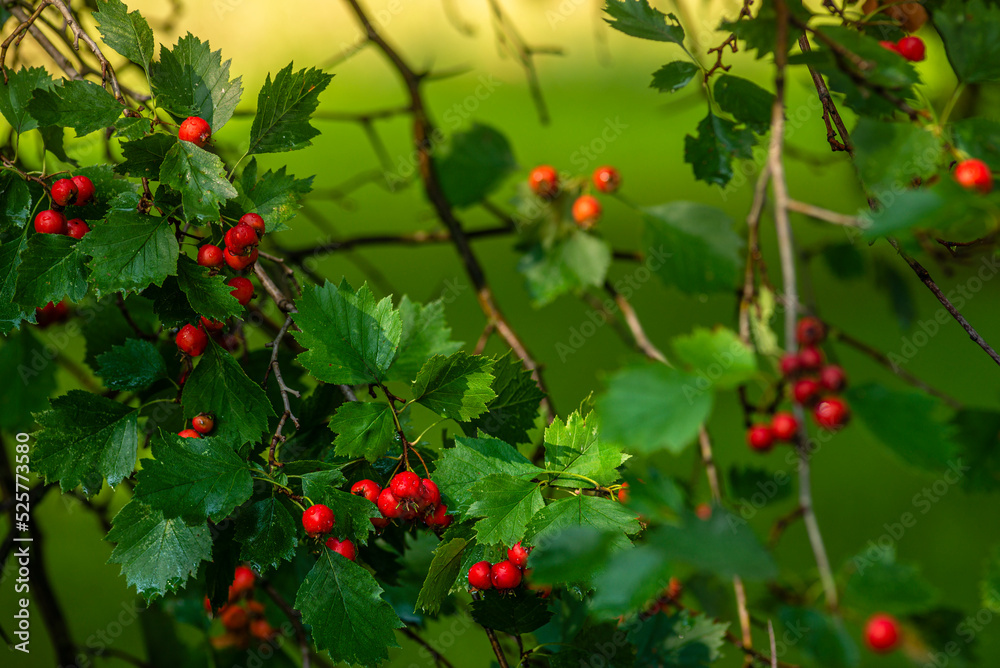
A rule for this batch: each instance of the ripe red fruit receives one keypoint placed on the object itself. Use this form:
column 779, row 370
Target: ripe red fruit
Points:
column 261, row 629
column 64, row 192
column 623, row 493
column 243, row 581
column 760, row 437
column 428, row 494
column 479, row 575
column 211, row 325
column 607, row 179
column 439, row 518
column 517, row 555
column 805, row 391
column 317, row 520
column 192, row 340
column 240, row 237
column 586, row 211
column 790, row 365
column 203, row 424
column 50, row 222
column 911, row 48
column 544, row 181
column 388, row 504
column 784, row 426
column 239, row 262
column 84, row 189
column 188, row 433
column 972, row 174
column 379, row 522
column 405, row 485
column 882, row 633
column 366, row 488
column 210, row 256
column 832, row 378
column 255, row 221
column 242, row 289
column 76, row 228
column 505, row 575
column 195, row 130
column 233, row 617
column 810, row 358
column 831, row 413
column 809, row 331
column 345, row 548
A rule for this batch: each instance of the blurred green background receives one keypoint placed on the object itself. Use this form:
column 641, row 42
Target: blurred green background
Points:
column 601, row 78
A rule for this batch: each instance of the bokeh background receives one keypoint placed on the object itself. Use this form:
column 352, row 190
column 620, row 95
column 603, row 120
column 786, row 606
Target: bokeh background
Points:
column 601, row 78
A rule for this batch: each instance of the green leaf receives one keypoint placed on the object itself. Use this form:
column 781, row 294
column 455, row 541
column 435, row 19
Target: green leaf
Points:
column 424, row 334
column 84, row 439
column 193, row 478
column 511, row 415
column 574, row 449
column 219, row 386
column 970, row 30
column 81, row 105
column 363, row 430
column 342, row 603
column 718, row 144
column 17, row 94
column 266, row 531
column 723, row 544
column 353, row 513
column 473, row 459
column 579, row 261
column 191, row 80
column 704, row 251
column 144, row 156
column 130, row 128
column 877, row 65
column 629, row 580
column 478, row 162
column 589, row 511
column 133, row 366
column 889, row 156
column 208, row 295
column 572, row 555
column 989, row 587
column 28, row 384
column 350, row 337
column 980, row 138
column 907, row 422
column 820, row 636
column 653, row 407
column 680, row 640
column 506, row 505
column 516, row 612
column 126, row 32
column 157, row 555
column 717, row 356
column 51, row 268
column 754, row 487
column 275, row 196
column 283, row 110
column 15, row 200
column 674, row 76
column 199, row 176
column 887, row 586
column 638, row 19
column 746, row 101
column 977, row 433
column 11, row 314
column 595, row 640
column 444, row 570
column 456, row 387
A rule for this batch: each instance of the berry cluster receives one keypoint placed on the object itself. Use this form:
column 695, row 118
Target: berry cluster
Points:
column 192, row 340
column 503, row 575
column 202, row 424
column 882, row 633
column 242, row 617
column 406, row 497
column 911, row 48
column 586, row 210
column 76, row 191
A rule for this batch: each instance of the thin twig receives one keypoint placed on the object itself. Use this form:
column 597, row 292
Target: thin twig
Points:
column 439, row 659
column 820, row 213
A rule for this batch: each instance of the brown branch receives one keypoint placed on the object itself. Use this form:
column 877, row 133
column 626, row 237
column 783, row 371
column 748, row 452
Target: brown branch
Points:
column 782, row 523
column 273, row 365
column 831, row 117
column 820, row 213
column 107, row 72
column 10, row 165
column 295, row 617
column 18, row 34
column 439, row 659
column 411, row 239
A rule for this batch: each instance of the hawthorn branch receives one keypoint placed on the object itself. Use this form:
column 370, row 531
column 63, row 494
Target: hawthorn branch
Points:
column 18, row 34
column 411, row 239
column 439, row 659
column 107, row 72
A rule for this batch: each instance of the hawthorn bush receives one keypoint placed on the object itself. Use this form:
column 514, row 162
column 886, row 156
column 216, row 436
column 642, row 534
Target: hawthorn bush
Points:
column 312, row 499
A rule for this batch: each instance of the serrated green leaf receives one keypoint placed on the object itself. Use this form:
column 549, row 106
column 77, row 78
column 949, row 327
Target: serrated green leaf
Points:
column 506, row 505
column 879, row 66
column 471, row 460
column 511, row 415
column 574, row 450
column 704, row 251
column 17, row 93
column 444, row 569
column 718, row 144
column 15, row 200
column 579, row 261
column 266, row 532
column 133, row 366
column 81, row 105
column 350, row 338
column 718, row 356
column 199, row 176
column 679, row 640
column 456, row 387
column 126, row 32
column 27, row 384
column 674, row 76
column 638, row 19
column 746, row 101
column 353, row 513
column 144, row 156
column 208, row 295
column 424, row 334
column 970, row 30
column 131, row 128
column 582, row 510
column 275, row 196
column 157, row 555
column 51, row 268
column 192, row 80
column 478, row 161
column 283, row 110
column 629, row 580
column 363, row 429
column 886, row 586
column 516, row 612
column 11, row 314
column 723, row 544
column 84, row 439
column 889, row 156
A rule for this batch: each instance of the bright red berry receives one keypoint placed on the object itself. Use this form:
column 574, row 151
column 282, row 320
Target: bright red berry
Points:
column 210, row 256
column 607, row 179
column 760, row 437
column 586, row 211
column 188, row 433
column 972, row 174
column 832, row 378
column 379, row 522
column 784, row 426
column 192, row 340
column 76, row 228
column 240, row 238
column 517, row 555
column 479, row 575
column 345, row 548
column 429, row 494
column 64, row 192
column 255, row 221
column 234, row 617
column 366, row 488
column 242, row 289
column 439, row 518
column 809, row 331
column 505, row 575
column 790, row 365
column 405, row 485
column 243, row 581
column 50, row 222
column 544, row 181
column 388, row 504
column 810, row 358
column 882, row 633
column 805, row 391
column 317, row 520
column 831, row 413
column 210, row 325
column 84, row 189
column 891, row 46
column 623, row 493
column 203, row 424
column 239, row 262
column 195, row 130
column 703, row 511
column 911, row 48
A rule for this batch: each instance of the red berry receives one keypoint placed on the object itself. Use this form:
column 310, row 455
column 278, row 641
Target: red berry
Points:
column 239, row 262
column 51, row 313
column 505, row 575
column 195, row 130
column 831, row 413
column 192, row 340
column 607, row 179
column 345, row 548
column 760, row 437
column 76, row 228
column 207, row 604
column 261, row 629
column 243, row 581
column 810, row 358
column 240, row 237
column 428, row 495
column 50, row 222
column 211, row 325
column 882, row 633
column 366, row 488
column 623, row 493
column 379, row 522
column 479, row 575
column 405, row 485
column 317, row 520
column 972, row 174
column 790, row 365
column 84, row 190
column 188, row 433
column 586, row 211
column 911, row 48
column 805, row 391
column 809, row 331
column 64, row 192
column 255, row 221
column 203, row 424
column 388, row 504
column 210, row 256
column 233, row 617
column 544, row 181
column 703, row 511
column 784, row 426
column 891, row 46
column 242, row 289
column 832, row 378
column 439, row 518
column 517, row 555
